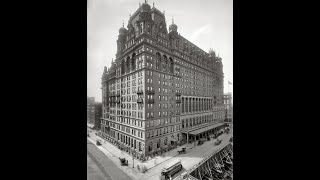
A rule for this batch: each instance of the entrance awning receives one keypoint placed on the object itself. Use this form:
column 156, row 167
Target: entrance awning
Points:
column 198, row 131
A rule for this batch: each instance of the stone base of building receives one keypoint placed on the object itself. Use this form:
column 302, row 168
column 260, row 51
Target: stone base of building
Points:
column 138, row 155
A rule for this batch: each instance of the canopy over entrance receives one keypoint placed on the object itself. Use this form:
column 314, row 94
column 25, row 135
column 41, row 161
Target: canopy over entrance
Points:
column 198, row 131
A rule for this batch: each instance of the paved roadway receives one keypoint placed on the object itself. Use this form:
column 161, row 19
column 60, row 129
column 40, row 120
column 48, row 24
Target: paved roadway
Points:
column 191, row 158
column 100, row 167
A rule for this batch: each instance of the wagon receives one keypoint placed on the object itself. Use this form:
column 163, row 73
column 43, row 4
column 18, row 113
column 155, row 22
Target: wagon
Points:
column 200, row 142
column 231, row 139
column 218, row 142
column 183, row 151
column 98, row 143
column 123, row 161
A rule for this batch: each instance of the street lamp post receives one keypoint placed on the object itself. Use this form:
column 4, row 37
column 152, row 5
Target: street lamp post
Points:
column 132, row 160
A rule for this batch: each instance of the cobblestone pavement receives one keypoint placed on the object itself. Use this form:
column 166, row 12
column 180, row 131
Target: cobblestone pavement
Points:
column 192, row 157
column 100, row 167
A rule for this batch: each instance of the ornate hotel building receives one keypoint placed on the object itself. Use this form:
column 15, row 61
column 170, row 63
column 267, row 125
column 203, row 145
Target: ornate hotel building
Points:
column 161, row 89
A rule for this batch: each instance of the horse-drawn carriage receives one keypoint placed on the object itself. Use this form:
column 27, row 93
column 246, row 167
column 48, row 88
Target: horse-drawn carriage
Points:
column 227, row 130
column 218, row 142
column 123, row 161
column 183, row 151
column 98, row 142
column 200, row 142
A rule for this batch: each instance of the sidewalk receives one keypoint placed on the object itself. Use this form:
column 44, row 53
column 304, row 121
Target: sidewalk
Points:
column 153, row 165
column 114, row 158
column 150, row 163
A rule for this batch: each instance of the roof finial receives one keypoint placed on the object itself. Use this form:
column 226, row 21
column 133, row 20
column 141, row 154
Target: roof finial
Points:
column 139, row 4
column 153, row 4
column 145, row 1
column 172, row 20
column 164, row 12
column 122, row 23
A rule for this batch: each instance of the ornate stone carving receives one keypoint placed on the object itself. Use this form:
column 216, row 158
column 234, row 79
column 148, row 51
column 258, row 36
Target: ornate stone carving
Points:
column 145, row 16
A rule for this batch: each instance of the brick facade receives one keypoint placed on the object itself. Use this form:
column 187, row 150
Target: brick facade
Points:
column 158, row 84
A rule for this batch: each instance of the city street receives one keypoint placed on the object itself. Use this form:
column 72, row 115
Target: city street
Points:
column 193, row 156
column 99, row 167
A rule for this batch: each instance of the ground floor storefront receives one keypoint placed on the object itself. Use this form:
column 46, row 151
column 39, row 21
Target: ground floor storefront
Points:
column 129, row 145
column 149, row 148
column 143, row 150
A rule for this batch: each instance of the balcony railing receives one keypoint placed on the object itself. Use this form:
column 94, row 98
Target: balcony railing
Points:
column 150, row 91
column 178, row 101
column 139, row 100
column 139, row 92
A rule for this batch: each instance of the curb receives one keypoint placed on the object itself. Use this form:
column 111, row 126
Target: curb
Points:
column 113, row 155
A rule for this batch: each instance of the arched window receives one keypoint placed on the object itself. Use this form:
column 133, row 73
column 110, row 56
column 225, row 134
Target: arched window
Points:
column 133, row 62
column 128, row 65
column 122, row 67
column 165, row 63
column 158, row 60
column 150, row 146
column 171, row 65
column 158, row 143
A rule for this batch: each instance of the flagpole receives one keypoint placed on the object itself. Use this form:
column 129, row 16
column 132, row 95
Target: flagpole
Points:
column 228, row 86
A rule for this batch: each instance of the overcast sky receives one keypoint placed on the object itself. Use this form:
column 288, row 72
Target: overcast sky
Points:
column 206, row 23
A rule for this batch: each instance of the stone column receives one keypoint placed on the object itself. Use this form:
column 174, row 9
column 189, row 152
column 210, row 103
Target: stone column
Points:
column 196, row 106
column 182, row 103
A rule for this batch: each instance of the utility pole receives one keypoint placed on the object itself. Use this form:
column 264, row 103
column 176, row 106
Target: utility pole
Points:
column 132, row 160
column 187, row 138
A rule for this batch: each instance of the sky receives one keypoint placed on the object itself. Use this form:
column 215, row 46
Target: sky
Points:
column 205, row 23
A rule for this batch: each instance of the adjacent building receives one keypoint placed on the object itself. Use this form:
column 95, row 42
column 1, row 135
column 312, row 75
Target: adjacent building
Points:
column 228, row 107
column 94, row 113
column 90, row 111
column 97, row 115
column 161, row 90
